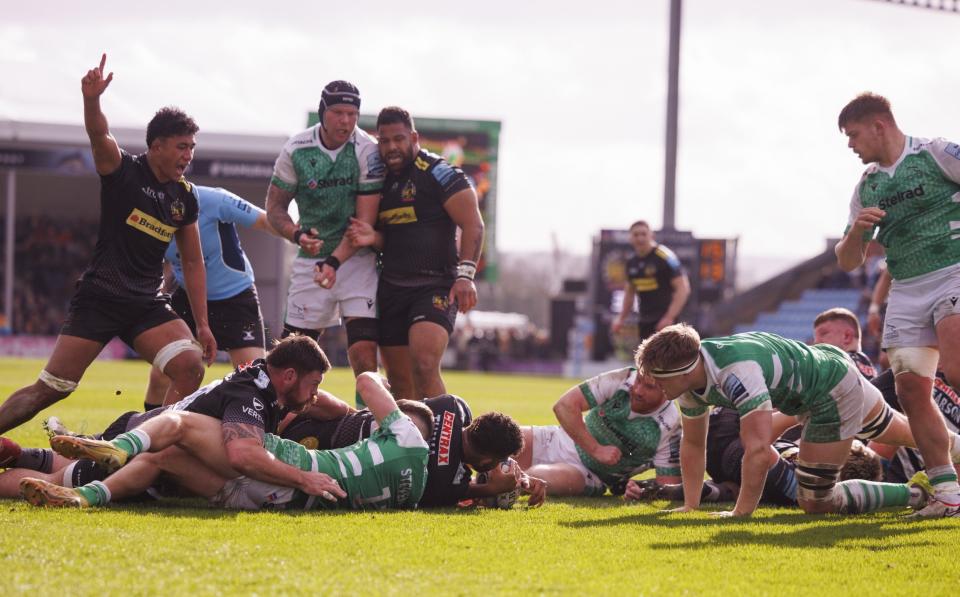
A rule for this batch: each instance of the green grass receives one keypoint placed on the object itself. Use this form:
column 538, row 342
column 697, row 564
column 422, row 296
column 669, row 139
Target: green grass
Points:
column 583, row 546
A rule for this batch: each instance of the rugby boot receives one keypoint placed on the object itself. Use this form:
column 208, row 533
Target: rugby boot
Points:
column 42, row 493
column 54, row 426
column 101, row 452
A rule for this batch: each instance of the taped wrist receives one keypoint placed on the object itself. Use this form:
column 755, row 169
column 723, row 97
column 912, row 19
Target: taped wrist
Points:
column 466, row 270
column 331, row 261
column 297, row 234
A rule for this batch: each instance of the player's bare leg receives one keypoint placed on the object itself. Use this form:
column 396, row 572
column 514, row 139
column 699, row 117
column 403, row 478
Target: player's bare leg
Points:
column 396, row 361
column 179, row 360
column 428, row 341
column 70, row 359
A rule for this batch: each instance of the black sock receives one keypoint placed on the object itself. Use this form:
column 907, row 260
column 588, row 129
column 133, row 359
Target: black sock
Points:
column 35, row 459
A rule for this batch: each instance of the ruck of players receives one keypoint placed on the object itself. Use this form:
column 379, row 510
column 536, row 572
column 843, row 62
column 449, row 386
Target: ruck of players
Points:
column 389, row 240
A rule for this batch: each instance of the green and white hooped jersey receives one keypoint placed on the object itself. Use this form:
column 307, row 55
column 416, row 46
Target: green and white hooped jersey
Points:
column 388, row 470
column 921, row 195
column 760, row 371
column 325, row 183
column 643, row 439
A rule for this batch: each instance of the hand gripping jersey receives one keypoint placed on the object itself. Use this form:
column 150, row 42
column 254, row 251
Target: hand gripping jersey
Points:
column 419, row 236
column 325, row 183
column 388, row 470
column 245, row 396
column 760, row 371
column 643, row 439
column 651, row 277
column 228, row 270
column 138, row 218
column 921, row 195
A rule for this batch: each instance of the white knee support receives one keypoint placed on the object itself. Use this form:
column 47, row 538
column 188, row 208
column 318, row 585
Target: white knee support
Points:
column 168, row 352
column 920, row 360
column 816, row 482
column 57, row 384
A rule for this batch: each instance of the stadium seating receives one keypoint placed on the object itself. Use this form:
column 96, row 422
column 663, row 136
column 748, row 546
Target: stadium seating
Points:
column 794, row 318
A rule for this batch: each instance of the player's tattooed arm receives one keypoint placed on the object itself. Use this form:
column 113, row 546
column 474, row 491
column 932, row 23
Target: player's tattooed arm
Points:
column 278, row 201
column 235, row 431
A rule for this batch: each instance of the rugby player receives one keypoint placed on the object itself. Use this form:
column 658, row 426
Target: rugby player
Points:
column 459, row 445
column 906, row 197
column 755, row 373
column 145, row 202
column 232, row 302
column 629, row 426
column 333, row 172
column 243, row 407
column 425, row 279
column 655, row 277
column 385, row 471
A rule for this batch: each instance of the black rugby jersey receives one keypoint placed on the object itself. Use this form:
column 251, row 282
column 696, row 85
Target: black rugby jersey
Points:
column 448, row 477
column 651, row 277
column 245, row 396
column 138, row 218
column 334, row 433
column 419, row 236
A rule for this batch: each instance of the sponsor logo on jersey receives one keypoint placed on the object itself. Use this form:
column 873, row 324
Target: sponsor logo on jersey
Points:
column 398, row 215
column 330, row 182
column 310, row 442
column 177, row 210
column 421, row 163
column 446, row 434
column 405, row 485
column 247, row 335
column 443, row 172
column 734, row 389
column 251, row 413
column 409, row 192
column 900, row 197
column 151, row 226
column 153, row 193
column 257, row 404
column 375, row 166
column 953, row 149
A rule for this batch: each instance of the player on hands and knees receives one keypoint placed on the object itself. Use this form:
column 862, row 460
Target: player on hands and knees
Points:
column 145, row 202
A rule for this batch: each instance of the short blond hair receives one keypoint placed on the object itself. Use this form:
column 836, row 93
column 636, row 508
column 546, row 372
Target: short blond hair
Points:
column 672, row 347
column 839, row 314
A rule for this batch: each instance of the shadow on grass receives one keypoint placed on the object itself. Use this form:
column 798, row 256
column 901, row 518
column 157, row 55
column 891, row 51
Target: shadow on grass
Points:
column 805, row 531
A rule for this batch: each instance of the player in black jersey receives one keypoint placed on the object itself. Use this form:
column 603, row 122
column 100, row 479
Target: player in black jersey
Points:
column 424, row 280
column 144, row 203
column 459, row 445
column 657, row 279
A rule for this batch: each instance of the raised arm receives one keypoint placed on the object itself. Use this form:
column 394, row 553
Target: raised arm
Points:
column 464, row 209
column 375, row 395
column 106, row 152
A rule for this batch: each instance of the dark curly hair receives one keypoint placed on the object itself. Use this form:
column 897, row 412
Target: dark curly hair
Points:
column 170, row 121
column 495, row 434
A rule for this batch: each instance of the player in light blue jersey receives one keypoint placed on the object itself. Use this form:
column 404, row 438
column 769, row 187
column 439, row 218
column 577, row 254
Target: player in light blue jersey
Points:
column 232, row 302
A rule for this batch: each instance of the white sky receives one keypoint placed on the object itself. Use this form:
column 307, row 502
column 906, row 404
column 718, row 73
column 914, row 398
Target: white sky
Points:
column 580, row 89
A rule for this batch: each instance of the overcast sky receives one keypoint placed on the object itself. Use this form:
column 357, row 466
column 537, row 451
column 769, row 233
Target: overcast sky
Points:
column 579, row 87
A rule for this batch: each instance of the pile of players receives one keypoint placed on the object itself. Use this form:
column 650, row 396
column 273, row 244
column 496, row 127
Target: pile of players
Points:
column 786, row 415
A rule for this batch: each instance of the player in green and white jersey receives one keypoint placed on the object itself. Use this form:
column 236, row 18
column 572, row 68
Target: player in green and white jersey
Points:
column 755, row 373
column 334, row 172
column 629, row 427
column 909, row 197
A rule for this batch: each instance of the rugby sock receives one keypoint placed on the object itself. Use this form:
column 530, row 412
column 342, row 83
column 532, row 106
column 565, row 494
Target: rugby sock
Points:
column 96, row 493
column 857, row 496
column 360, row 403
column 944, row 481
column 35, row 459
column 132, row 442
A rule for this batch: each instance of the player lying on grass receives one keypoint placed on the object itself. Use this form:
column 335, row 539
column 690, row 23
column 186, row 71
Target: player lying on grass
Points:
column 629, row 426
column 385, row 471
column 756, row 373
column 244, row 406
column 459, row 446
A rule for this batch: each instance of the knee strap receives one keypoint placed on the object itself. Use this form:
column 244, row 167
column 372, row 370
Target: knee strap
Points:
column 921, row 360
column 816, row 481
column 876, row 426
column 168, row 352
column 57, row 384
